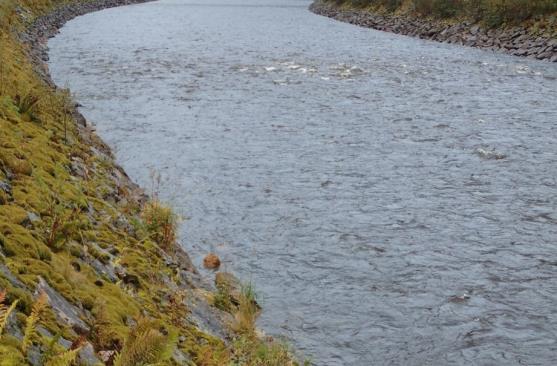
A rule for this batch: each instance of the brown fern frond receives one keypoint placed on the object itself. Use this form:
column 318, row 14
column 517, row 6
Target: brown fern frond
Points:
column 5, row 314
column 65, row 359
column 32, row 320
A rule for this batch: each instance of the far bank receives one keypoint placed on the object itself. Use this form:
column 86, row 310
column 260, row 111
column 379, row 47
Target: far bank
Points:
column 535, row 37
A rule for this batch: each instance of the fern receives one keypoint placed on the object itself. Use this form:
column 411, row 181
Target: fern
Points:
column 145, row 345
column 32, row 320
column 65, row 359
column 50, row 348
column 5, row 311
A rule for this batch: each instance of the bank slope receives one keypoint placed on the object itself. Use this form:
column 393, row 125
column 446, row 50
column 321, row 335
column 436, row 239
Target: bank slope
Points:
column 90, row 269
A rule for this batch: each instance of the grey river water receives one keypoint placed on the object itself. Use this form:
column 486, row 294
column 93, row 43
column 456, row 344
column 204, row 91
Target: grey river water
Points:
column 394, row 200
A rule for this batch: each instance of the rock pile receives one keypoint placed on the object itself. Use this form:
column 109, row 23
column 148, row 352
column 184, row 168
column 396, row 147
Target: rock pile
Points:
column 516, row 40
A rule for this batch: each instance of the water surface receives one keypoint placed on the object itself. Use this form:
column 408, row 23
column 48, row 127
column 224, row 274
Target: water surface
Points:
column 394, row 200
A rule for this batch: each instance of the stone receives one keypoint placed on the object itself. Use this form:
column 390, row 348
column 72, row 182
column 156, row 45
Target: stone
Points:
column 6, row 187
column 7, row 274
column 64, row 310
column 553, row 58
column 208, row 318
column 544, row 55
column 87, row 356
column 211, row 261
column 180, row 358
column 78, row 168
column 30, row 220
column 104, row 270
column 107, row 356
column 179, row 259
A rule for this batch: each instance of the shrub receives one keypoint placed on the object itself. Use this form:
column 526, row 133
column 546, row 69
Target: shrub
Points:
column 248, row 311
column 160, row 222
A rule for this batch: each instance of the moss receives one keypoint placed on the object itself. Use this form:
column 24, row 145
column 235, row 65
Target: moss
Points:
column 79, row 216
column 13, row 214
column 10, row 355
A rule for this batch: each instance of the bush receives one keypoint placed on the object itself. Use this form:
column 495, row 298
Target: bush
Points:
column 492, row 12
column 160, row 222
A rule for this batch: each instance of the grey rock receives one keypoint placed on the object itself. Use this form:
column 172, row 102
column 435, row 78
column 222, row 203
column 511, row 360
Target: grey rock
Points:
column 34, row 356
column 6, row 187
column 104, row 270
column 181, row 358
column 31, row 219
column 182, row 259
column 107, row 356
column 87, row 356
column 65, row 311
column 544, row 55
column 78, row 168
column 5, row 271
column 66, row 344
column 208, row 318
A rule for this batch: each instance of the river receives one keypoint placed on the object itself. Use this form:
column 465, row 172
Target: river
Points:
column 394, row 200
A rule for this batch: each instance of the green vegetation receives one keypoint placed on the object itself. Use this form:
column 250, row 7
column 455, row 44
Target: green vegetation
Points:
column 492, row 12
column 16, row 355
column 145, row 345
column 68, row 218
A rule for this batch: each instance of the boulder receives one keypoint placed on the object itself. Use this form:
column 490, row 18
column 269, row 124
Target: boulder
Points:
column 211, row 261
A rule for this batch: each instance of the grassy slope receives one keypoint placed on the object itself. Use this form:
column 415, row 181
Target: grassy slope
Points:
column 493, row 13
column 63, row 203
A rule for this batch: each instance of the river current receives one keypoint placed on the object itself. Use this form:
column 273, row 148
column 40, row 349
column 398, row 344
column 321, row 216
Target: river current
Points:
column 394, row 200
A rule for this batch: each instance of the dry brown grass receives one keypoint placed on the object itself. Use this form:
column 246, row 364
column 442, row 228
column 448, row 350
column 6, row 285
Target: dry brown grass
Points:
column 491, row 12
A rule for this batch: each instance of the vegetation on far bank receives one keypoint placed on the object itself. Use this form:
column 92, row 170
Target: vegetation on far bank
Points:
column 491, row 12
column 72, row 224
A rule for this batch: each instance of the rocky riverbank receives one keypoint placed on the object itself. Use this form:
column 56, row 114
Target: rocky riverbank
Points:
column 526, row 41
column 90, row 268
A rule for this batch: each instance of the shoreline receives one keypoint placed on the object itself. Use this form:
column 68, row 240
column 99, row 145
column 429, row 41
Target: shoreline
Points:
column 514, row 40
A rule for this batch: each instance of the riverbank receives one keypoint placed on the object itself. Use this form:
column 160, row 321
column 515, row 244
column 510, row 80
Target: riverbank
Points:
column 528, row 39
column 89, row 263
